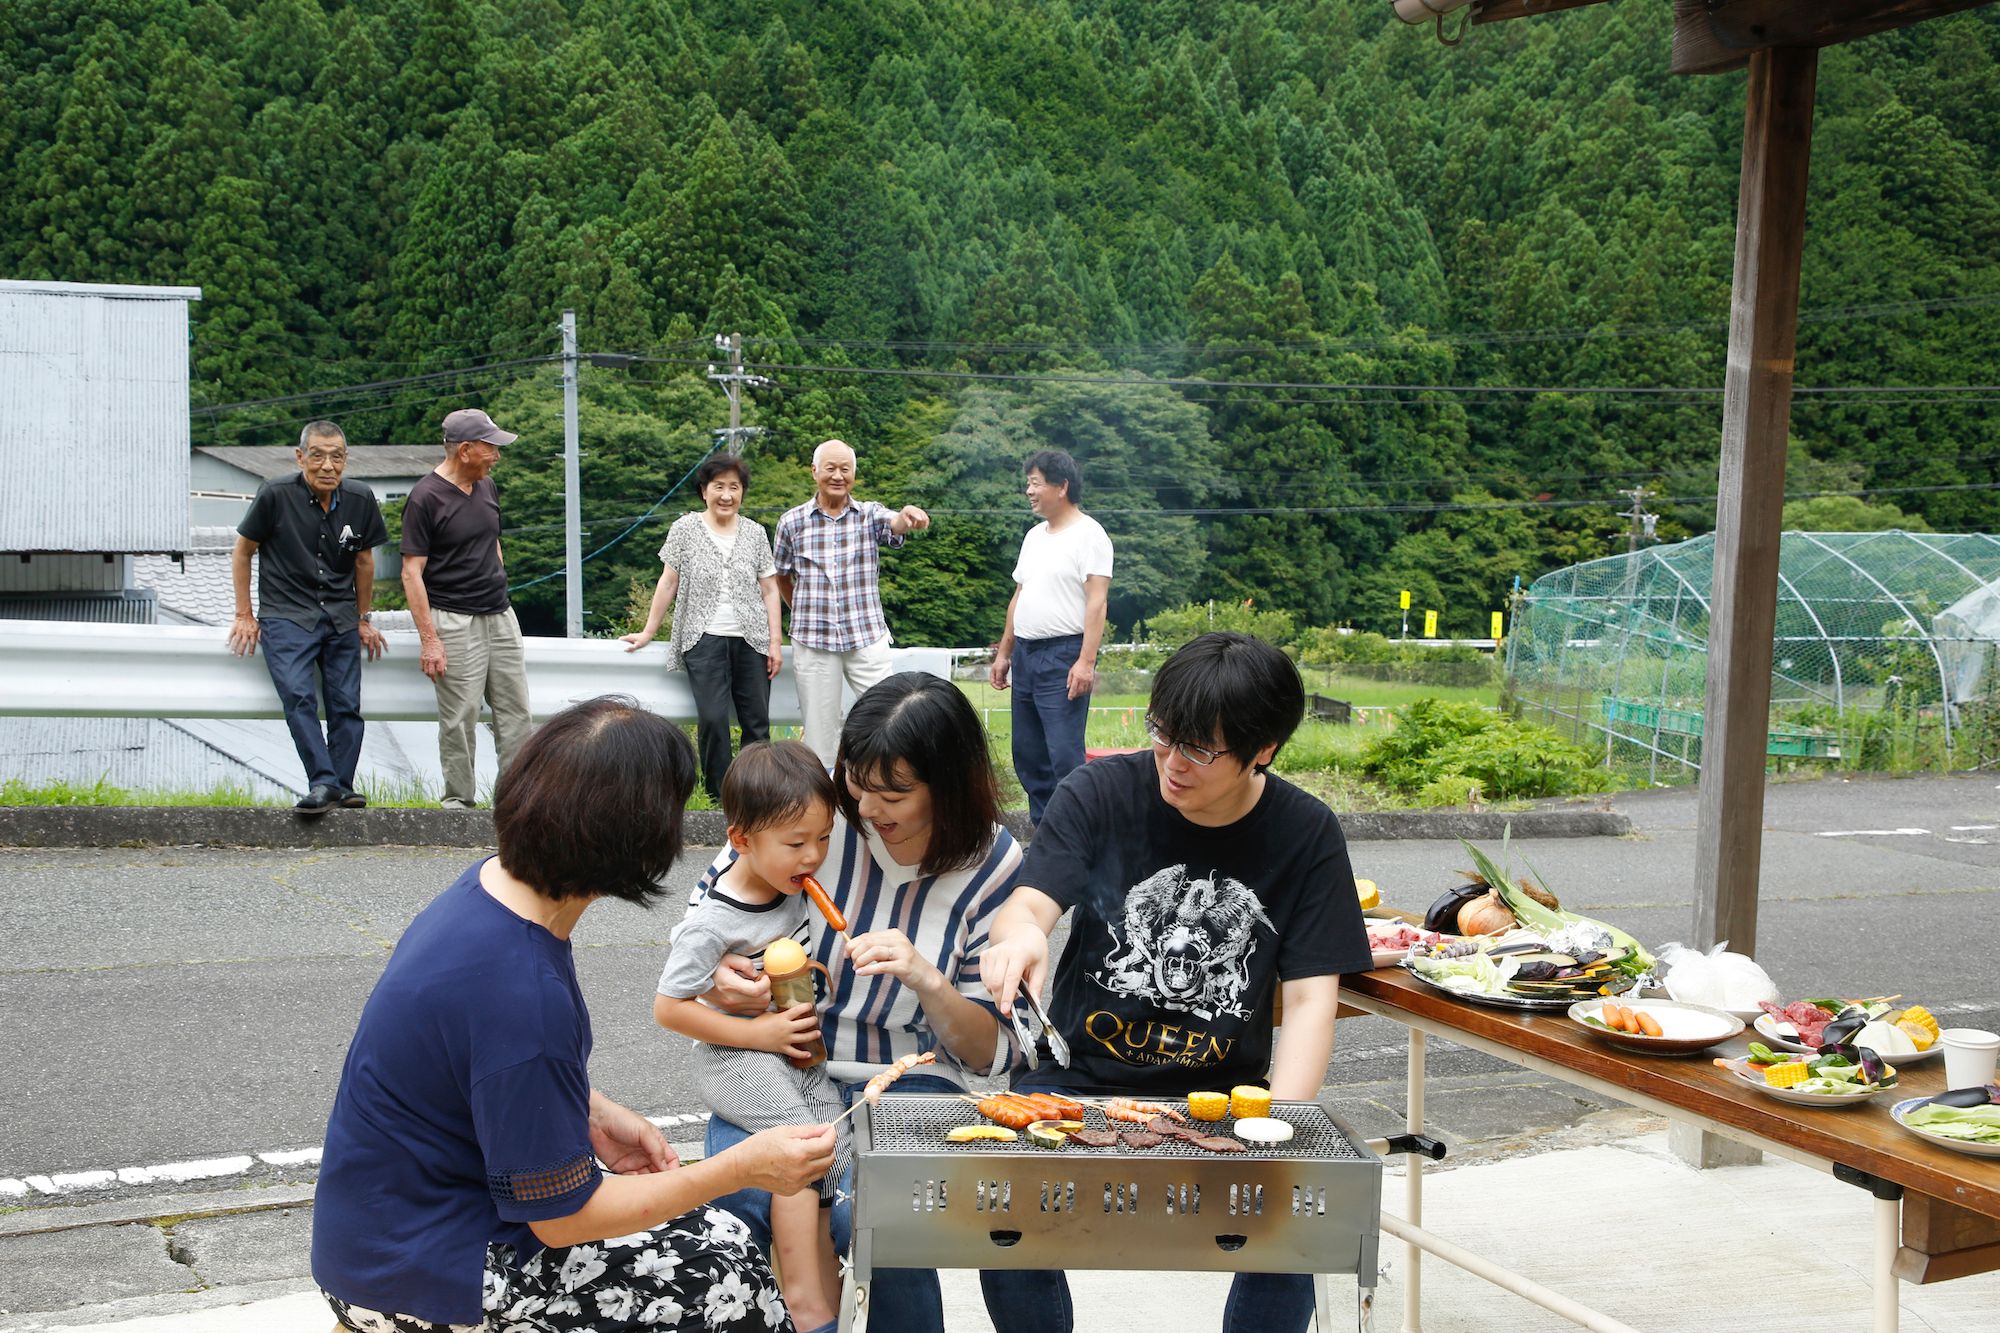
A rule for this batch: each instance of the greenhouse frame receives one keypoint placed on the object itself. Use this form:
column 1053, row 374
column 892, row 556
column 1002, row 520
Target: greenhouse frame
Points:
column 1883, row 655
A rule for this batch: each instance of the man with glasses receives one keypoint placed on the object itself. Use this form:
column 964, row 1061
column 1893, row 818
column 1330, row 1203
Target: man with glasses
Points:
column 1203, row 888
column 313, row 534
column 456, row 584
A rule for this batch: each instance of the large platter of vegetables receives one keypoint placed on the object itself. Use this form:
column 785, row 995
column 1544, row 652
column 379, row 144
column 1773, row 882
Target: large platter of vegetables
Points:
column 1548, row 961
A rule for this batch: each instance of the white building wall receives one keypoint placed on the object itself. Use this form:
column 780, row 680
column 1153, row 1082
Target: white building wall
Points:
column 93, row 417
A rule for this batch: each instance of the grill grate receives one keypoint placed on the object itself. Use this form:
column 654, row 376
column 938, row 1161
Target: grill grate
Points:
column 913, row 1124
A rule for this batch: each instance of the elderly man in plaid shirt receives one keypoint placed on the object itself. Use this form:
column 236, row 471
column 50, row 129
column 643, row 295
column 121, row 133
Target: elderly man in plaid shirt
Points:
column 828, row 556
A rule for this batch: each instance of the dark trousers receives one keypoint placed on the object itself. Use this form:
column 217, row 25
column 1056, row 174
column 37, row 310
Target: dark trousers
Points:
column 724, row 669
column 306, row 664
column 1048, row 724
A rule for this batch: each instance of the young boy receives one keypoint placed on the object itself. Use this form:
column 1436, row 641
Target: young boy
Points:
column 1202, row 887
column 779, row 801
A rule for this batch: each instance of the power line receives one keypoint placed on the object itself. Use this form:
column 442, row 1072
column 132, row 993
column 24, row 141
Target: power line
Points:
column 1577, row 333
column 1178, row 382
column 373, row 386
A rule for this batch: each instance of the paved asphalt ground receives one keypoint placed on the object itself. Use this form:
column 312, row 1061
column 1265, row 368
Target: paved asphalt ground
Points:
column 164, row 1006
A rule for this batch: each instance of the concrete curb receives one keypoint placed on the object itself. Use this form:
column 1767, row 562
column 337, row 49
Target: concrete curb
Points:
column 253, row 826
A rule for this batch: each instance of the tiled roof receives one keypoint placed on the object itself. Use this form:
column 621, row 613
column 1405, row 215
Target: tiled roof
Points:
column 196, row 589
column 265, row 461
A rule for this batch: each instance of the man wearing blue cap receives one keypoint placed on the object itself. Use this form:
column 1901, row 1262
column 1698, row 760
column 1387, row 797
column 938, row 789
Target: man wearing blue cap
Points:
column 456, row 585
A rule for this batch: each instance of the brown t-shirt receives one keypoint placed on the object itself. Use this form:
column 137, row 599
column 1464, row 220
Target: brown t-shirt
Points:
column 459, row 536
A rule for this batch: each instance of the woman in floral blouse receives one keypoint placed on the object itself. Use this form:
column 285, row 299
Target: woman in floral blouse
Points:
column 718, row 576
column 460, row 1186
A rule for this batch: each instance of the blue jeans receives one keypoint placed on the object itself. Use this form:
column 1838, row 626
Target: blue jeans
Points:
column 901, row 1300
column 1038, row 1299
column 305, row 664
column 1048, row 724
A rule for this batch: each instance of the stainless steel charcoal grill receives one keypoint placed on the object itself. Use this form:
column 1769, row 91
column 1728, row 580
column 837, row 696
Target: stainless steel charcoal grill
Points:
column 1310, row 1205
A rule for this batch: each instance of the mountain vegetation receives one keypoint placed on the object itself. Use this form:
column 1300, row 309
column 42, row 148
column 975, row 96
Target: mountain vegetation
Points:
column 1326, row 310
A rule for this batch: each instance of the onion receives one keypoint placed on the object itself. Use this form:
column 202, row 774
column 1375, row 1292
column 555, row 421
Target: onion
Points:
column 1485, row 915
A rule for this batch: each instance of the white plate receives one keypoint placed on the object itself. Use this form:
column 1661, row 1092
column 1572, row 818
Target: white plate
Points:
column 1767, row 1028
column 1684, row 1028
column 1903, row 1108
column 1742, row 1069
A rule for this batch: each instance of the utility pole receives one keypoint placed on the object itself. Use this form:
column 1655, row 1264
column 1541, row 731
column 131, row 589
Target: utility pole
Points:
column 1642, row 522
column 732, row 379
column 572, row 485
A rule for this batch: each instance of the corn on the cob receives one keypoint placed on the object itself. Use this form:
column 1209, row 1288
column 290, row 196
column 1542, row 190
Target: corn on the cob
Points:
column 1918, row 1016
column 1787, row 1075
column 1208, row 1105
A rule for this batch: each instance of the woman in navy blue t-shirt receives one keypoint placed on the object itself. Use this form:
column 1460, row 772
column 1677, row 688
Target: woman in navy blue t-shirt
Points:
column 460, row 1181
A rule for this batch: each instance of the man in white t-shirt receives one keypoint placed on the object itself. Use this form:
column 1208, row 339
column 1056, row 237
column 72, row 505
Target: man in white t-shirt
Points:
column 1055, row 624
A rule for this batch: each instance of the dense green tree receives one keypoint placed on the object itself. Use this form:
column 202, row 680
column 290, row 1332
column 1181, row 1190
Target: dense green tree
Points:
column 240, row 337
column 960, row 231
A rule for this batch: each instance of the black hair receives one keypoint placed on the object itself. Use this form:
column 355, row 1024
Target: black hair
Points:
column 1057, row 469
column 771, row 782
column 1231, row 685
column 924, row 725
column 715, row 465
column 591, row 805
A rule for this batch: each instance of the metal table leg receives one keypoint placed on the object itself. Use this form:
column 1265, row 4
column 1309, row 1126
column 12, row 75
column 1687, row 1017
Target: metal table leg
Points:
column 1413, row 1189
column 1888, row 1237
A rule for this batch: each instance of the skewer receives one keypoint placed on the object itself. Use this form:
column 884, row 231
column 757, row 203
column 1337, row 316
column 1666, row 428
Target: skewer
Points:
column 888, row 1079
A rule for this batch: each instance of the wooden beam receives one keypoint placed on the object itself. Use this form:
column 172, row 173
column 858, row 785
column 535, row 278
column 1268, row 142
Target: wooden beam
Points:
column 1695, row 48
column 1756, row 412
column 1747, row 25
column 1499, row 11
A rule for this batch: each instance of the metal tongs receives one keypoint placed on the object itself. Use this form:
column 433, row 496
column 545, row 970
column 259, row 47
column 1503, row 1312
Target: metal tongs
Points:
column 1032, row 1035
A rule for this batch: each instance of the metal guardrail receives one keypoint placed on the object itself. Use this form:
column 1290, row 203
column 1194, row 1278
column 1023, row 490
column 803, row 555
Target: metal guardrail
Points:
column 71, row 669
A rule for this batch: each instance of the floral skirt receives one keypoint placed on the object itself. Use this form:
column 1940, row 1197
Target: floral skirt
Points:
column 699, row 1271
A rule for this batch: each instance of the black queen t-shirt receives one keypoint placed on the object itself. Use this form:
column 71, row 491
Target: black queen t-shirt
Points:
column 1181, row 934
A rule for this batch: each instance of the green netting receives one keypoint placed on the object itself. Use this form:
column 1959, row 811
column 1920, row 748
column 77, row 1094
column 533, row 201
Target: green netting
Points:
column 1883, row 654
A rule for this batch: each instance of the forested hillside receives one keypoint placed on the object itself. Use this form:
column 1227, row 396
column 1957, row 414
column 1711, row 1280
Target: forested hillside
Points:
column 957, row 230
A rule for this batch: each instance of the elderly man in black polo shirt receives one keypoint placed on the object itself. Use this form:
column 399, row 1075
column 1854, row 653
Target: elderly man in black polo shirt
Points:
column 314, row 534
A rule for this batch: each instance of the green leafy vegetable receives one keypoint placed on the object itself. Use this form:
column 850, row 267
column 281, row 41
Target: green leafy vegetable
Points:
column 1975, row 1124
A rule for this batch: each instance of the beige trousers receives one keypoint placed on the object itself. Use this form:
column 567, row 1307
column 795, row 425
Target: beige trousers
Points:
column 820, row 675
column 482, row 660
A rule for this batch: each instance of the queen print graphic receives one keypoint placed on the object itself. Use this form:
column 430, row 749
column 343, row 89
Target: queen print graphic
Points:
column 1185, row 944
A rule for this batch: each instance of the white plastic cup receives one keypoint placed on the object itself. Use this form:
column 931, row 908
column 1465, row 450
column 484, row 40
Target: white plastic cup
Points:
column 1971, row 1056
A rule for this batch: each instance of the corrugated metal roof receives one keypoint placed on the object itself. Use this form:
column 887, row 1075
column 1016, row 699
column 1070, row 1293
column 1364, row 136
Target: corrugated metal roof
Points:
column 265, row 461
column 136, row 754
column 135, row 606
column 133, row 292
column 93, row 403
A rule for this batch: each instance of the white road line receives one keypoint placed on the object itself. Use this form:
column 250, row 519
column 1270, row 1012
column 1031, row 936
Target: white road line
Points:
column 1973, row 828
column 1876, row 833
column 175, row 1173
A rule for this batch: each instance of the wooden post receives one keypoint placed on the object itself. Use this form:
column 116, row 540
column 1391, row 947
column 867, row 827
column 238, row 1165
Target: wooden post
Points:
column 1756, row 411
